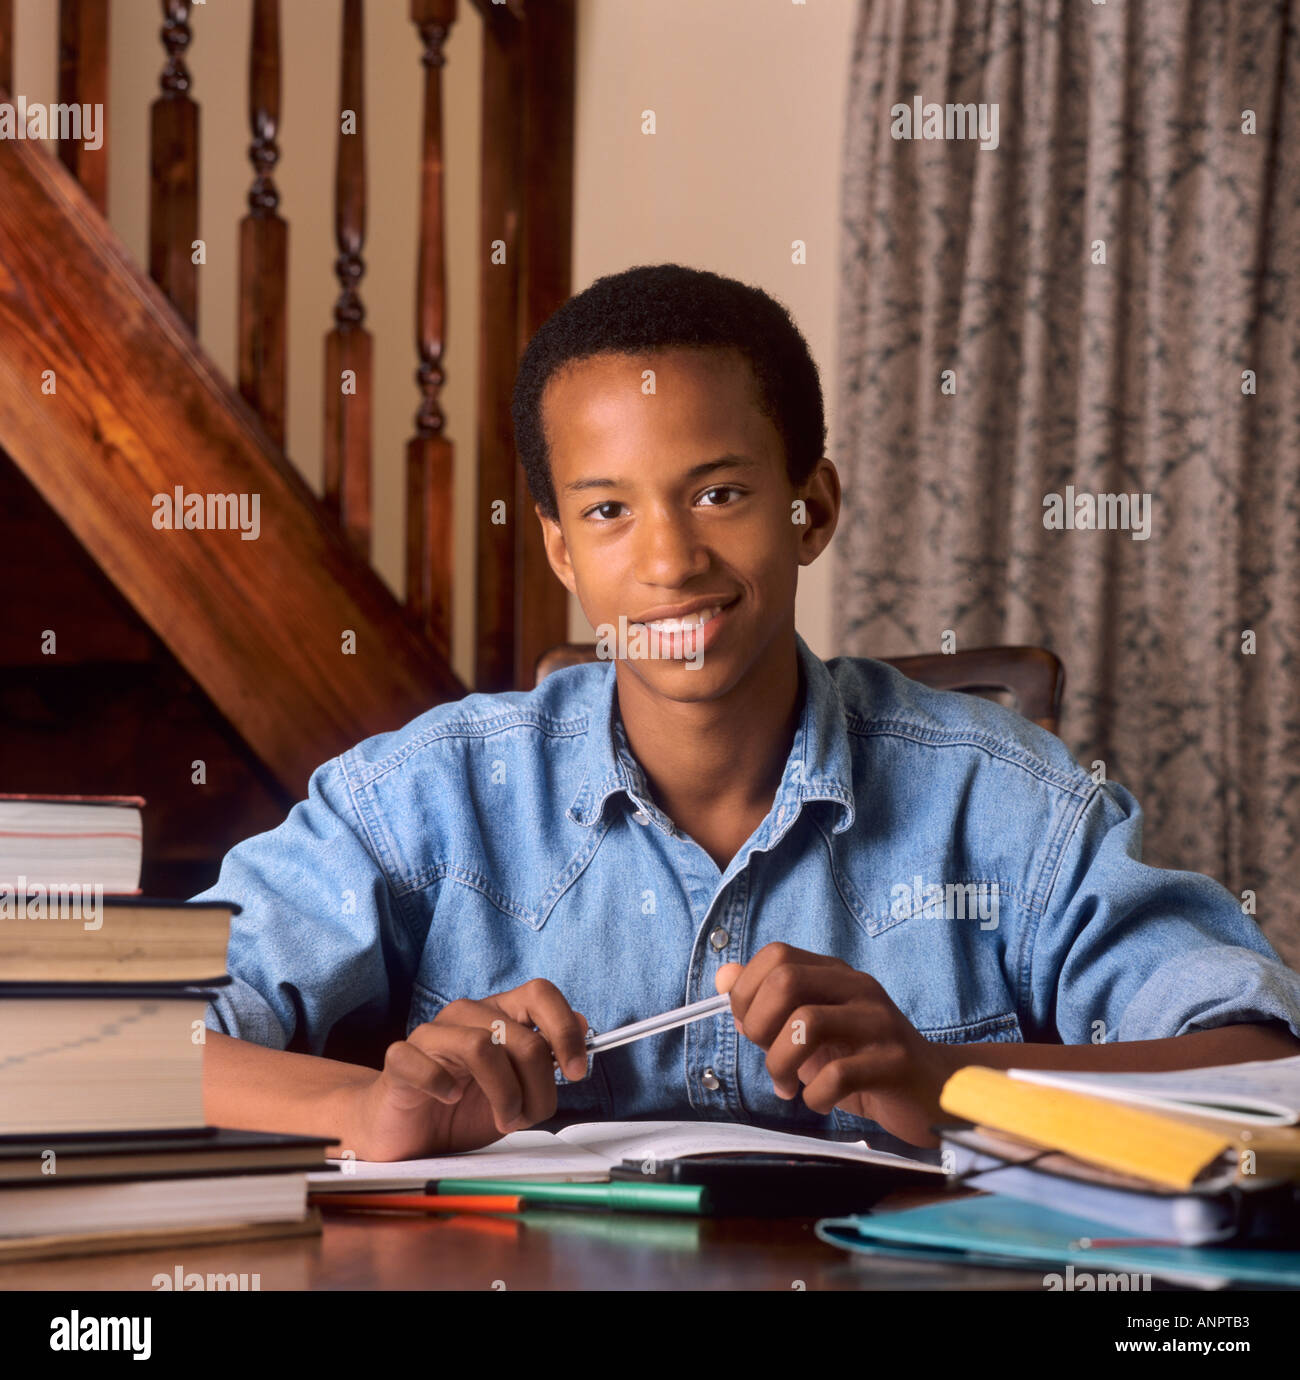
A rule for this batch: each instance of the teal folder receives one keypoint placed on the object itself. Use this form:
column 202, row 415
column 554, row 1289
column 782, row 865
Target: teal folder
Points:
column 993, row 1230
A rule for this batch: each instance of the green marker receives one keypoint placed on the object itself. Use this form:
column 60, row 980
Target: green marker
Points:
column 613, row 1197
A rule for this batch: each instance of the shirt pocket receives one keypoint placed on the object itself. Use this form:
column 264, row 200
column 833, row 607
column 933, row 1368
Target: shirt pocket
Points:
column 1000, row 1029
column 935, row 886
column 586, row 1100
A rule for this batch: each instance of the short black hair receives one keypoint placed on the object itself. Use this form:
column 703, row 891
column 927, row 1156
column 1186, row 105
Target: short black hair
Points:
column 662, row 306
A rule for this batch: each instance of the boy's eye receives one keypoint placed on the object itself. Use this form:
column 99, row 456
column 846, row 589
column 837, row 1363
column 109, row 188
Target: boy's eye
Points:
column 720, row 489
column 600, row 515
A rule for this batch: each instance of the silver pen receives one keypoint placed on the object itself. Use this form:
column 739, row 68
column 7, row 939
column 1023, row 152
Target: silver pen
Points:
column 653, row 1025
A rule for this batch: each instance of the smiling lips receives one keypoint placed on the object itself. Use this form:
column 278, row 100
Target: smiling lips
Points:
column 692, row 620
column 696, row 618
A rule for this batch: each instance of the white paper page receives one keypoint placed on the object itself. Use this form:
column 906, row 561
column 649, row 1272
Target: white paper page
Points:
column 536, row 1155
column 1265, row 1092
column 615, row 1141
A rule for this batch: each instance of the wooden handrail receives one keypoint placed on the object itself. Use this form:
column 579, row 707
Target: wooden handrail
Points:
column 263, row 235
column 300, row 646
column 174, row 171
column 348, row 345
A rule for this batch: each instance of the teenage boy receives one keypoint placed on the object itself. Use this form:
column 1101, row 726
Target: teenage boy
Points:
column 891, row 881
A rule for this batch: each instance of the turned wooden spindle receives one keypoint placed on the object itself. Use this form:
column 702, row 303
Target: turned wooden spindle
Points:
column 348, row 345
column 264, row 235
column 174, row 171
column 83, row 82
column 429, row 453
column 6, row 46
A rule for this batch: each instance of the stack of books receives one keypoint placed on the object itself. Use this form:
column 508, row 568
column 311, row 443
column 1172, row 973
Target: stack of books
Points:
column 1194, row 1157
column 103, row 995
column 1106, row 1181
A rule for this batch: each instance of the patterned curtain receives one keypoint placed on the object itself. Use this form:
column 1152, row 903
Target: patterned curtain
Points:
column 1070, row 298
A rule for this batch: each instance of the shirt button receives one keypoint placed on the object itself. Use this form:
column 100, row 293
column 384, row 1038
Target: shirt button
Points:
column 719, row 938
column 641, row 817
column 710, row 1080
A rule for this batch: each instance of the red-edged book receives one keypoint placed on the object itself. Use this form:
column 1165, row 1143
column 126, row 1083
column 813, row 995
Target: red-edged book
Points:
column 58, row 840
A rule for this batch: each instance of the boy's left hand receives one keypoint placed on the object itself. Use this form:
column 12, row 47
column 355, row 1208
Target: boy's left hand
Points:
column 835, row 1030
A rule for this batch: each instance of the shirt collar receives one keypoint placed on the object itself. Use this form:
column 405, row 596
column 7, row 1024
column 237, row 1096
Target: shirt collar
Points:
column 818, row 768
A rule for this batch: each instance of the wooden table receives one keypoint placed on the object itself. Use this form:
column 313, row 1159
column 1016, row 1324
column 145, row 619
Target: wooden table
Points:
column 538, row 1250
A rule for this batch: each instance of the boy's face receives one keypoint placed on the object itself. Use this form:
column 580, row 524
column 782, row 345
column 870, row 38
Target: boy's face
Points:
column 675, row 501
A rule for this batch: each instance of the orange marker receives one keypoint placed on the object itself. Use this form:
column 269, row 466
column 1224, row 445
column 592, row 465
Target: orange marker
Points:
column 422, row 1202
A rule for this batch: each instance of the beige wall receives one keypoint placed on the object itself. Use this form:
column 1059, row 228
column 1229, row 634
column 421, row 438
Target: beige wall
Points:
column 748, row 96
column 36, row 50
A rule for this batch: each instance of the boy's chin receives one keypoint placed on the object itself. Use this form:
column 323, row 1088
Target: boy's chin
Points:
column 684, row 678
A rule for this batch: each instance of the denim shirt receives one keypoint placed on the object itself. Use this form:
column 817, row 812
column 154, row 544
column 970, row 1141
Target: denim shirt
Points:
column 938, row 841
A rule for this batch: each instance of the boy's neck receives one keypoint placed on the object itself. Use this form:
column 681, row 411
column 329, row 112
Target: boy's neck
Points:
column 703, row 759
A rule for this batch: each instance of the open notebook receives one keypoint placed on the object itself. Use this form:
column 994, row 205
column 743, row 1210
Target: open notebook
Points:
column 587, row 1151
column 1265, row 1092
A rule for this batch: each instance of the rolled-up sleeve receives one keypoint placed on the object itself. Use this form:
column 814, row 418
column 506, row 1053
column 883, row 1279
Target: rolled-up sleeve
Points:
column 1126, row 951
column 318, row 949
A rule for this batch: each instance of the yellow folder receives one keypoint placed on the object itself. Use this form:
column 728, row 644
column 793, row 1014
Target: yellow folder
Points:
column 1155, row 1147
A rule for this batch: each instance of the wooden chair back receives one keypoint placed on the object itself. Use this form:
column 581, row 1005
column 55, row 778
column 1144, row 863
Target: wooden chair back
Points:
column 1032, row 676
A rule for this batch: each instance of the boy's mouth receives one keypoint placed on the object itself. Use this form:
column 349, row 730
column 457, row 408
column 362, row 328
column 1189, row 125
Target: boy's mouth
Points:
column 699, row 614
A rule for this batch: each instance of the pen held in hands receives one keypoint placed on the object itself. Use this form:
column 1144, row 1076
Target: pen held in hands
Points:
column 655, row 1025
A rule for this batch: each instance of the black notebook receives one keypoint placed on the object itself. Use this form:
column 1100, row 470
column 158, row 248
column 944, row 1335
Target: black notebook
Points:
column 209, row 1151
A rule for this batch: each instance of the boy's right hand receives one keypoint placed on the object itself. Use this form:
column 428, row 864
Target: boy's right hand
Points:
column 473, row 1073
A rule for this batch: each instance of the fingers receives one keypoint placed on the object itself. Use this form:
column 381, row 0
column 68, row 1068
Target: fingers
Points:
column 725, row 978
column 542, row 1004
column 492, row 1045
column 815, row 1036
column 407, row 1066
column 788, row 985
column 861, row 1072
column 755, row 973
column 510, row 1064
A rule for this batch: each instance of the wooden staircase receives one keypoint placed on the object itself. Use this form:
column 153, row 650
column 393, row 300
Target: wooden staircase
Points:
column 132, row 651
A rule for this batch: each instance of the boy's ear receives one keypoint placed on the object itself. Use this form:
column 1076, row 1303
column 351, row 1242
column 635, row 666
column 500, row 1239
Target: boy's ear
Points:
column 821, row 496
column 557, row 550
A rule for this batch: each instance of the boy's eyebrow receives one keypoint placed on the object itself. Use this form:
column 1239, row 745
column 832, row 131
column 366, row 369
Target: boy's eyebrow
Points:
column 723, row 462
